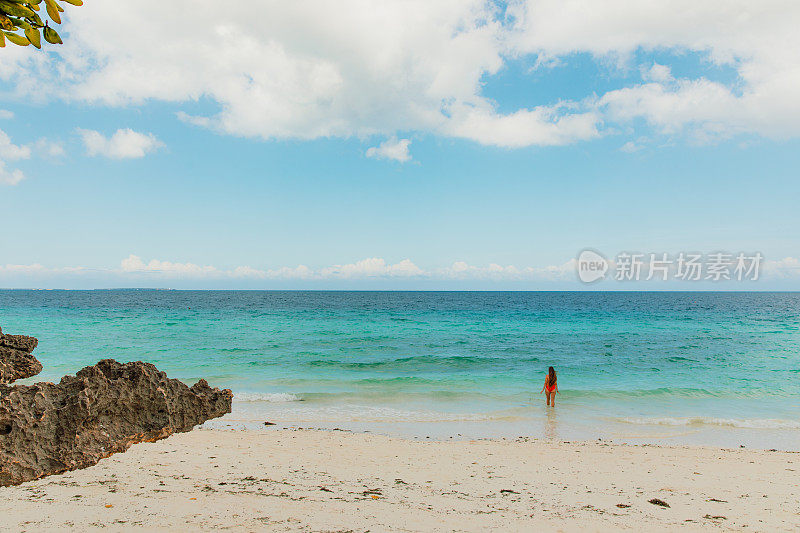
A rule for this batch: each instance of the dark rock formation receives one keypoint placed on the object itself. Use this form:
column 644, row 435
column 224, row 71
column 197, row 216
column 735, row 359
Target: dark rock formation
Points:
column 16, row 361
column 50, row 428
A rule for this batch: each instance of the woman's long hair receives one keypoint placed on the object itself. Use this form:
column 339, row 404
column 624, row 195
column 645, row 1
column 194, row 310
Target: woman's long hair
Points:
column 551, row 377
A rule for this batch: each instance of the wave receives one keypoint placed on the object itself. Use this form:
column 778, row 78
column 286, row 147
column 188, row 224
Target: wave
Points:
column 400, row 381
column 679, row 359
column 363, row 413
column 474, row 388
column 754, row 423
column 680, row 392
column 354, row 412
column 272, row 397
column 420, row 362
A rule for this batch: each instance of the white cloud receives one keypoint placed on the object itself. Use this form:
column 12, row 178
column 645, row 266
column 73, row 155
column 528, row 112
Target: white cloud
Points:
column 705, row 106
column 38, row 268
column 5, row 114
column 461, row 270
column 123, row 144
column 204, row 122
column 15, row 152
column 786, row 268
column 542, row 126
column 135, row 268
column 631, row 147
column 300, row 69
column 10, row 176
column 49, row 148
column 287, row 70
column 758, row 40
column 657, row 73
column 11, row 152
column 391, row 149
column 23, row 269
column 366, row 268
column 306, row 70
column 371, row 267
column 298, row 272
column 134, row 264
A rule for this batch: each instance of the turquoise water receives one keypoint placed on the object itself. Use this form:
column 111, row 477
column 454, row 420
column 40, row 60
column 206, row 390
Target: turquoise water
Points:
column 707, row 368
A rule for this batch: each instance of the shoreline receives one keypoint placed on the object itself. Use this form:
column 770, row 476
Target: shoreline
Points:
column 565, row 423
column 326, row 480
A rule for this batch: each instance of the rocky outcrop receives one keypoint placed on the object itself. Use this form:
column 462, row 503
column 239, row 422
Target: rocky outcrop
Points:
column 49, row 428
column 16, row 361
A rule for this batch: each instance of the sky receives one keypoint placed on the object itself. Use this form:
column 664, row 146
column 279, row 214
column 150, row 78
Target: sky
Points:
column 459, row 144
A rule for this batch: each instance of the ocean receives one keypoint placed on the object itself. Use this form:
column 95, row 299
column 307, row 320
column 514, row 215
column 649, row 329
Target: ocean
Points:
column 720, row 369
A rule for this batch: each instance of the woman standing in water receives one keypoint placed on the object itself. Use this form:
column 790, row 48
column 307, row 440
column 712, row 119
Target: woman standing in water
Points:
column 551, row 386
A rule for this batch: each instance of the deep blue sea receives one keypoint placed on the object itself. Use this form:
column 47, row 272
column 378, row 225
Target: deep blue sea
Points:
column 697, row 368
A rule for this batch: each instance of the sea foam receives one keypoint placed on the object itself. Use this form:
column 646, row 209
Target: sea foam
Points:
column 272, row 397
column 753, row 423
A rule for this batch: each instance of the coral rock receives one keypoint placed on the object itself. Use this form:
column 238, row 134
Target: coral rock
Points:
column 16, row 361
column 50, row 428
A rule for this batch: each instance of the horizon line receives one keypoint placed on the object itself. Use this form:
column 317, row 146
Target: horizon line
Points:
column 37, row 289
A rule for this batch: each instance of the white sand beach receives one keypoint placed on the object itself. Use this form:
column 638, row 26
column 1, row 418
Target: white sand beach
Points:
column 313, row 480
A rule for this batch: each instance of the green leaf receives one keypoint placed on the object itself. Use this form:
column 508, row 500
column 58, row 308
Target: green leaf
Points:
column 34, row 37
column 17, row 10
column 21, row 16
column 52, row 10
column 36, row 20
column 5, row 23
column 19, row 40
column 51, row 36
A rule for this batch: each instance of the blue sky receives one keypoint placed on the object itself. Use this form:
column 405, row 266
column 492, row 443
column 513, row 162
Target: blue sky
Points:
column 511, row 148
